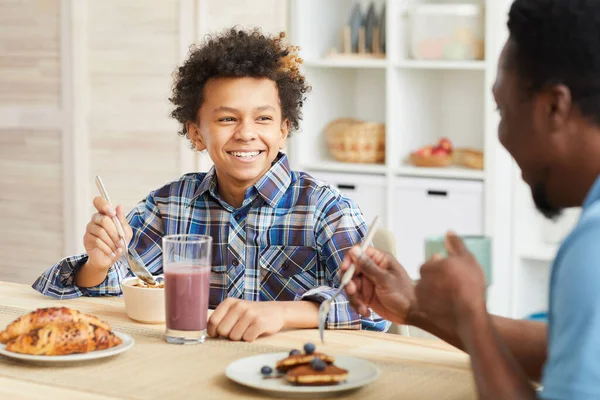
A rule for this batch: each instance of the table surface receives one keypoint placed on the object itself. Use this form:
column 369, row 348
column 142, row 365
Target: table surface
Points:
column 411, row 368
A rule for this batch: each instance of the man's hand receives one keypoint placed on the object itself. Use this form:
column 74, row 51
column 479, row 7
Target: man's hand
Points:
column 246, row 320
column 381, row 283
column 452, row 290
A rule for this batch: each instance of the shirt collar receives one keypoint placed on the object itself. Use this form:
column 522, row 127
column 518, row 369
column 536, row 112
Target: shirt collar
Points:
column 208, row 184
column 593, row 194
column 271, row 186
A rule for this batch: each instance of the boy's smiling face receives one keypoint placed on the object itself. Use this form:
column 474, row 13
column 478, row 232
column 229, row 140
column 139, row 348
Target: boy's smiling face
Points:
column 240, row 124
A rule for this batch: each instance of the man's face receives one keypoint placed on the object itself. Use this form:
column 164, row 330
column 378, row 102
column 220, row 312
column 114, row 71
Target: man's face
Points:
column 528, row 131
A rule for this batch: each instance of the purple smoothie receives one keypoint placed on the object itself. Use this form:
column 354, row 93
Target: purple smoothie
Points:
column 186, row 297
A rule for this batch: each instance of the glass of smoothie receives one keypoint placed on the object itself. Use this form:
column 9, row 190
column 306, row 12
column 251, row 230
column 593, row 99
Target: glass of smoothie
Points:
column 186, row 266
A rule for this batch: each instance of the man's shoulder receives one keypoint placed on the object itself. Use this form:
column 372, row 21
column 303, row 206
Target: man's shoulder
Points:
column 572, row 370
column 577, row 259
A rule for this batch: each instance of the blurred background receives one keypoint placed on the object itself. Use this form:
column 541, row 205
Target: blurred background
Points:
column 401, row 119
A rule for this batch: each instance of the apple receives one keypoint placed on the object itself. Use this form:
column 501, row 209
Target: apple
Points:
column 446, row 144
column 424, row 151
column 440, row 151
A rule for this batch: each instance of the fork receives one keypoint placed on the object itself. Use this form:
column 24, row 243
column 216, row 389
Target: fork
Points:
column 137, row 268
column 326, row 305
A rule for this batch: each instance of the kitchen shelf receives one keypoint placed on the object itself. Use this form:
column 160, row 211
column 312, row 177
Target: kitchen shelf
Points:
column 442, row 65
column 446, row 173
column 335, row 166
column 347, row 63
column 544, row 253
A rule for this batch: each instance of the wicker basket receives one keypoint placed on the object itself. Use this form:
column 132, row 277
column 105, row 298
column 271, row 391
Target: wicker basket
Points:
column 436, row 161
column 469, row 158
column 352, row 140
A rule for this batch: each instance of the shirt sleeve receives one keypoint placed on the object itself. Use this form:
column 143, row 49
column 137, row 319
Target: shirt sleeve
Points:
column 145, row 221
column 340, row 225
column 573, row 367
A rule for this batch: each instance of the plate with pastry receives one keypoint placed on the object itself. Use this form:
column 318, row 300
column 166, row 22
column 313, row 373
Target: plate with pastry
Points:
column 59, row 334
column 302, row 372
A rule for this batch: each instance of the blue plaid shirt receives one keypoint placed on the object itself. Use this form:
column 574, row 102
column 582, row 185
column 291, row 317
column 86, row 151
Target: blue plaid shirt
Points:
column 286, row 241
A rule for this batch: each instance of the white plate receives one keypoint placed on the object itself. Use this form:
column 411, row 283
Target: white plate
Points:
column 246, row 371
column 128, row 342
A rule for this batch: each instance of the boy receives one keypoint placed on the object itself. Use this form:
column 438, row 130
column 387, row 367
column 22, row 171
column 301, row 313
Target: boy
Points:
column 279, row 236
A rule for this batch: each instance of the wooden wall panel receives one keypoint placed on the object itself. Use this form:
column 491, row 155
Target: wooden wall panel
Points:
column 31, row 237
column 29, row 52
column 132, row 53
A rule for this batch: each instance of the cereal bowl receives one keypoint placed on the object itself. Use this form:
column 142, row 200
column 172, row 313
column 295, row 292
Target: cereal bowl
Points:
column 143, row 303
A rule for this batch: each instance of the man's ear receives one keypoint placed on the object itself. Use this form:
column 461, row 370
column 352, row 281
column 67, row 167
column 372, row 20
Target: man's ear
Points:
column 560, row 102
column 193, row 131
column 285, row 131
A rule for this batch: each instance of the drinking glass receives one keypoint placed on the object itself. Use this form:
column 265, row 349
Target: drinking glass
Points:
column 186, row 265
column 479, row 246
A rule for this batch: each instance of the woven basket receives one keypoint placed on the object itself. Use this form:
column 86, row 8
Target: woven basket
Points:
column 352, row 140
column 430, row 161
column 469, row 158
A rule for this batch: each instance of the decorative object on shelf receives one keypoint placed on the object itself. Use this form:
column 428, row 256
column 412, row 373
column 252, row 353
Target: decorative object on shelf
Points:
column 370, row 23
column 446, row 31
column 382, row 31
column 363, row 36
column 432, row 156
column 352, row 140
column 353, row 27
column 469, row 158
column 444, row 154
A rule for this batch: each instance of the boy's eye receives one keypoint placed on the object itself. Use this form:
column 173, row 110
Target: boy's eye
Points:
column 265, row 118
column 226, row 119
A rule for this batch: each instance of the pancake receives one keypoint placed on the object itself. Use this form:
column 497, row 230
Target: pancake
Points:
column 301, row 359
column 305, row 375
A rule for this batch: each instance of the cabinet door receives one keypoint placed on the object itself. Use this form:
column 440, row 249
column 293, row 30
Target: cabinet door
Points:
column 367, row 191
column 430, row 207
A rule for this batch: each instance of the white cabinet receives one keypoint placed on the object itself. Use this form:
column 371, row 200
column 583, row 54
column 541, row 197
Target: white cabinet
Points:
column 429, row 207
column 367, row 191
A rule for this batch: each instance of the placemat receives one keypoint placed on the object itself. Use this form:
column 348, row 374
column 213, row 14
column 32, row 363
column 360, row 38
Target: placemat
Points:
column 154, row 369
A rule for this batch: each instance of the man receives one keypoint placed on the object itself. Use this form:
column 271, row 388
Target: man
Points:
column 548, row 95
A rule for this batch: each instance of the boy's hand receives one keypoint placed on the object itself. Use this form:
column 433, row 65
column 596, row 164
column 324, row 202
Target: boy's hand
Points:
column 101, row 239
column 246, row 320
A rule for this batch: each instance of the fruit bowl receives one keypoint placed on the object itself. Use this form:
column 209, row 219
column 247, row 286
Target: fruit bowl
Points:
column 432, row 161
column 433, row 156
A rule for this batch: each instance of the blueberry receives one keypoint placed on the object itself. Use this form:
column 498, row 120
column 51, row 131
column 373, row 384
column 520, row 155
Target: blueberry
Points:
column 317, row 364
column 294, row 352
column 309, row 348
column 266, row 370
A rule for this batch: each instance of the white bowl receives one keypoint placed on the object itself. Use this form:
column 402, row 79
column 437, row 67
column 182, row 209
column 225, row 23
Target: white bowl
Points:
column 143, row 304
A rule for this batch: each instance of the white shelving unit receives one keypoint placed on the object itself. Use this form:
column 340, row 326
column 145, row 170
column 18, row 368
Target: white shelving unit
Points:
column 420, row 102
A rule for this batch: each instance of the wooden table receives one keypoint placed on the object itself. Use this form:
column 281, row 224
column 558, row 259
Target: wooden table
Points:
column 153, row 369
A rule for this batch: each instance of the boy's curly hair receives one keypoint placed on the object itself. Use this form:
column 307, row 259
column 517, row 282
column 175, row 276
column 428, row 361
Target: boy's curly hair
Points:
column 240, row 53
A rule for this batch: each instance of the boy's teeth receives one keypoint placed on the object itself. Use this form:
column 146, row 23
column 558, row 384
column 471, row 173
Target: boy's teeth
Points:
column 245, row 154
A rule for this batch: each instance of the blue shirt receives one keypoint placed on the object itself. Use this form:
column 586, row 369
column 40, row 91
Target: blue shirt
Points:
column 286, row 242
column 572, row 370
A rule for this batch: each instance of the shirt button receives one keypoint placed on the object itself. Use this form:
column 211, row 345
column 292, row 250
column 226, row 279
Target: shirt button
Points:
column 285, row 266
column 235, row 263
column 237, row 217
